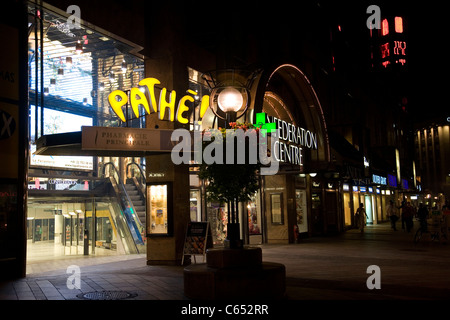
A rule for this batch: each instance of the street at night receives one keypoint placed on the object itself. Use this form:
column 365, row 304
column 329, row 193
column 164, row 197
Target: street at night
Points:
column 183, row 153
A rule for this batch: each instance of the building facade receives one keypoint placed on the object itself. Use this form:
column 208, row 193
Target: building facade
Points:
column 78, row 196
column 432, row 147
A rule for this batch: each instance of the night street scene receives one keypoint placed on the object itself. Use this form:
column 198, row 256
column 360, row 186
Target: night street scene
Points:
column 221, row 160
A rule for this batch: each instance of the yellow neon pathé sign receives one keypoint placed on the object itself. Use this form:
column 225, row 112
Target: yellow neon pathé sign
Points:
column 117, row 99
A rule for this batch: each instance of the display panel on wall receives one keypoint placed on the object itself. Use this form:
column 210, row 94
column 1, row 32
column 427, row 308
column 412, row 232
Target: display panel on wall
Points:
column 276, row 205
column 159, row 209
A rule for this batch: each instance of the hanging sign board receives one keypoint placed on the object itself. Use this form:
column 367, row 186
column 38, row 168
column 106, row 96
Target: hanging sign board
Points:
column 126, row 139
column 196, row 241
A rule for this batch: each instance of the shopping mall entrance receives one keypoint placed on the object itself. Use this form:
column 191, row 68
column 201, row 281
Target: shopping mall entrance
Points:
column 79, row 204
column 87, row 216
column 69, row 227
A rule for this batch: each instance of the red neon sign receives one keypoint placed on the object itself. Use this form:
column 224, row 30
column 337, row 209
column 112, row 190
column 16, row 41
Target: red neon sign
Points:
column 399, row 24
column 384, row 50
column 384, row 27
column 400, row 48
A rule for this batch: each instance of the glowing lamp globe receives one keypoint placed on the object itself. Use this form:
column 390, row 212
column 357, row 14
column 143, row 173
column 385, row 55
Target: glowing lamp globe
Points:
column 230, row 100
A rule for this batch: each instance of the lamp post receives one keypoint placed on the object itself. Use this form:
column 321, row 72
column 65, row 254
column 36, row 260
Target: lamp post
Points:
column 230, row 101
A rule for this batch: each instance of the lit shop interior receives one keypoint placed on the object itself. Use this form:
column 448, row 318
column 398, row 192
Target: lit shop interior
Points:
column 80, row 204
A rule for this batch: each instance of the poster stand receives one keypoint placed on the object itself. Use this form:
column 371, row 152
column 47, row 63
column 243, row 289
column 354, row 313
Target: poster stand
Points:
column 197, row 240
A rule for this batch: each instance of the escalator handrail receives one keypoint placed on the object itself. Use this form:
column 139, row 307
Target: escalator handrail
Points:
column 103, row 169
column 142, row 179
column 119, row 180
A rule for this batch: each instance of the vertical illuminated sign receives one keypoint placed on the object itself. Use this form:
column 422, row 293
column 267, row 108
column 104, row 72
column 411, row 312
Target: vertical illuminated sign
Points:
column 397, row 165
column 398, row 24
column 159, row 208
column 384, row 27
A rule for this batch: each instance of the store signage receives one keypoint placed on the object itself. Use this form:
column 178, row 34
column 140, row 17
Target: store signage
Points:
column 118, row 98
column 361, row 182
column 66, row 162
column 392, row 180
column 126, row 139
column 379, row 179
column 291, row 140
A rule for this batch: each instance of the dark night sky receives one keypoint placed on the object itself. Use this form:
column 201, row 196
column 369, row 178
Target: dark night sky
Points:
column 427, row 50
column 427, row 47
column 428, row 65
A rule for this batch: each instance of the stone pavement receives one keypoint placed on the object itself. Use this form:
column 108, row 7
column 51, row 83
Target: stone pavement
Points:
column 317, row 268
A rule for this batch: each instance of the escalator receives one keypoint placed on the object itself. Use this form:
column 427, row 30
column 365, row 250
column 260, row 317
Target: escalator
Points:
column 66, row 211
column 126, row 208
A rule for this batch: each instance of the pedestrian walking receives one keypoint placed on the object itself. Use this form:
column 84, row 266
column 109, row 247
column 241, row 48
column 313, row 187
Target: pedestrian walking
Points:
column 392, row 214
column 403, row 205
column 422, row 214
column 361, row 217
column 408, row 214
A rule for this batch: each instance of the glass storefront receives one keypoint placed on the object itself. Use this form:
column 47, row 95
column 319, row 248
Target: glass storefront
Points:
column 64, row 228
column 70, row 210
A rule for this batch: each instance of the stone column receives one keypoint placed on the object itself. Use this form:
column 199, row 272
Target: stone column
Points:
column 168, row 249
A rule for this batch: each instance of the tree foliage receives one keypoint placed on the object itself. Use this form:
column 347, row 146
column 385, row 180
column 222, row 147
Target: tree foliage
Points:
column 229, row 182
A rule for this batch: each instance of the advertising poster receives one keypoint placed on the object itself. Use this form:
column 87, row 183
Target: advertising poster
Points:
column 196, row 241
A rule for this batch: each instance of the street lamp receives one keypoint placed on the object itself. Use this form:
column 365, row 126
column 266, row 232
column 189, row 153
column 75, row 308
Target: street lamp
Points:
column 230, row 93
column 230, row 101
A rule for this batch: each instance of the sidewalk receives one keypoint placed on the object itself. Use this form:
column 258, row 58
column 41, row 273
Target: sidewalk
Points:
column 319, row 268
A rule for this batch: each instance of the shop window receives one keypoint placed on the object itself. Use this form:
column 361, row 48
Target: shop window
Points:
column 347, row 209
column 276, row 208
column 254, row 215
column 195, row 205
column 301, row 210
column 218, row 219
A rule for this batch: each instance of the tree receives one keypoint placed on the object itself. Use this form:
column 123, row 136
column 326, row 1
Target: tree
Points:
column 231, row 183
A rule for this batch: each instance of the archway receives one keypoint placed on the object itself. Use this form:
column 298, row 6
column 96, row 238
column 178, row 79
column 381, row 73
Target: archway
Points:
column 287, row 94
